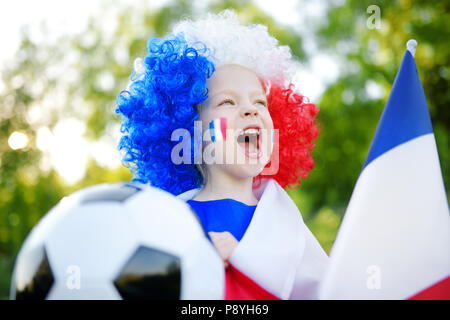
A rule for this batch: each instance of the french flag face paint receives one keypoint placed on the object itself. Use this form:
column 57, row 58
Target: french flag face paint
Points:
column 218, row 129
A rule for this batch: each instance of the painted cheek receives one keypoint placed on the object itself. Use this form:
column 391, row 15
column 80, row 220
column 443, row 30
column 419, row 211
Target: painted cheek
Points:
column 218, row 129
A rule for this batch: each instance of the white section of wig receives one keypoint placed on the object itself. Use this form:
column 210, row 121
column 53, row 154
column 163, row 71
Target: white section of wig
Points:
column 139, row 66
column 139, row 72
column 232, row 42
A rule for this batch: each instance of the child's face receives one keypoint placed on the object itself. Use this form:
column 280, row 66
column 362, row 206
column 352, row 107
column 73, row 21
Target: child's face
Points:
column 236, row 95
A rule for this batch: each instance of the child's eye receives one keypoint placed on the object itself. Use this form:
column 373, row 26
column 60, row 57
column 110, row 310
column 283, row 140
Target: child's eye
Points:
column 225, row 101
column 262, row 102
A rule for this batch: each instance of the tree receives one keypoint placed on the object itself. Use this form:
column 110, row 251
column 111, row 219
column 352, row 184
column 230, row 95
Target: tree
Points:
column 80, row 76
column 370, row 58
column 75, row 77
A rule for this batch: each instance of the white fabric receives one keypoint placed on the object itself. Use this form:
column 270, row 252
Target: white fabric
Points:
column 278, row 251
column 394, row 240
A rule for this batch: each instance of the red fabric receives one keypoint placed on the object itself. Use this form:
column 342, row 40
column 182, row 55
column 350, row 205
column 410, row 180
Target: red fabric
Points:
column 438, row 291
column 240, row 287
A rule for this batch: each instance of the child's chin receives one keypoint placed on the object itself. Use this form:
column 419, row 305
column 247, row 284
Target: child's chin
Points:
column 247, row 170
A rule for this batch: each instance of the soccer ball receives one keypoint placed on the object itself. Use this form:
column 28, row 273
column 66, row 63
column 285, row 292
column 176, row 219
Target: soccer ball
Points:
column 118, row 241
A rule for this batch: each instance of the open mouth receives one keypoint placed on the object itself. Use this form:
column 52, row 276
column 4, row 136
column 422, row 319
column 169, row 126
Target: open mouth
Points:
column 250, row 141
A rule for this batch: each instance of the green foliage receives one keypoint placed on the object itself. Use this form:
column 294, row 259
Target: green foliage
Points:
column 375, row 55
column 80, row 76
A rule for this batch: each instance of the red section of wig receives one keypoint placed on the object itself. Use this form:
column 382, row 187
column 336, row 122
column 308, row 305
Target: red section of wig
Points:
column 295, row 119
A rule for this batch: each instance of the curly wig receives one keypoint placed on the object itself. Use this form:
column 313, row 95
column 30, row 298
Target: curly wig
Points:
column 171, row 80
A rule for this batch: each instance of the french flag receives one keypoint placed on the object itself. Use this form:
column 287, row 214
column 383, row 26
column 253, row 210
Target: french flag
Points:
column 394, row 240
column 218, row 129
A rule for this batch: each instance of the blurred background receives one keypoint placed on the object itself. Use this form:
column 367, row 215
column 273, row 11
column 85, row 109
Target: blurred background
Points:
column 63, row 64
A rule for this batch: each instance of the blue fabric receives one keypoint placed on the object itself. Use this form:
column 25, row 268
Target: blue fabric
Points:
column 405, row 115
column 223, row 215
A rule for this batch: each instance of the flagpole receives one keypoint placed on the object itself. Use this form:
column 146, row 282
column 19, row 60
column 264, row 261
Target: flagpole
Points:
column 411, row 46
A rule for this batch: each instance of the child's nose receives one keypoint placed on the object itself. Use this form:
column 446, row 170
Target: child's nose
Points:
column 248, row 110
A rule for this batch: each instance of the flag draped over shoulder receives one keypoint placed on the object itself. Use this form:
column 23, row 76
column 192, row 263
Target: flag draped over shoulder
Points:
column 394, row 240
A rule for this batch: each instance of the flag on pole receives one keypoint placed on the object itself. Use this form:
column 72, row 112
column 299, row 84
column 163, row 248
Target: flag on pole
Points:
column 394, row 240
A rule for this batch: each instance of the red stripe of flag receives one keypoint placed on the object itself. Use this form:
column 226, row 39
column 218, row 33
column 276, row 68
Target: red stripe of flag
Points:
column 240, row 287
column 438, row 291
column 223, row 127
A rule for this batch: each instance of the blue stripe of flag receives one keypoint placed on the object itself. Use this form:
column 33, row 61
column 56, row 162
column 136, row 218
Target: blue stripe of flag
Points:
column 211, row 131
column 405, row 115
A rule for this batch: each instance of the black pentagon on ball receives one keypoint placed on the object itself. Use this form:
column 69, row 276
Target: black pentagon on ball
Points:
column 35, row 278
column 118, row 193
column 150, row 274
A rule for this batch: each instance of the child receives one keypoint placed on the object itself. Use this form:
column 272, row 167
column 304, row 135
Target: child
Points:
column 231, row 82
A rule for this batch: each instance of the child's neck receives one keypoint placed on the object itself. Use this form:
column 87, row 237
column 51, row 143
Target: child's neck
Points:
column 227, row 187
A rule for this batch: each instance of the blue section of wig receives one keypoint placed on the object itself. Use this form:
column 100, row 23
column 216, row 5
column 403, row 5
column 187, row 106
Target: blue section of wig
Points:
column 157, row 102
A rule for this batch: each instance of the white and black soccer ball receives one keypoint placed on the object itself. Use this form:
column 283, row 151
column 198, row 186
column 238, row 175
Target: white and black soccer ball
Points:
column 118, row 241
